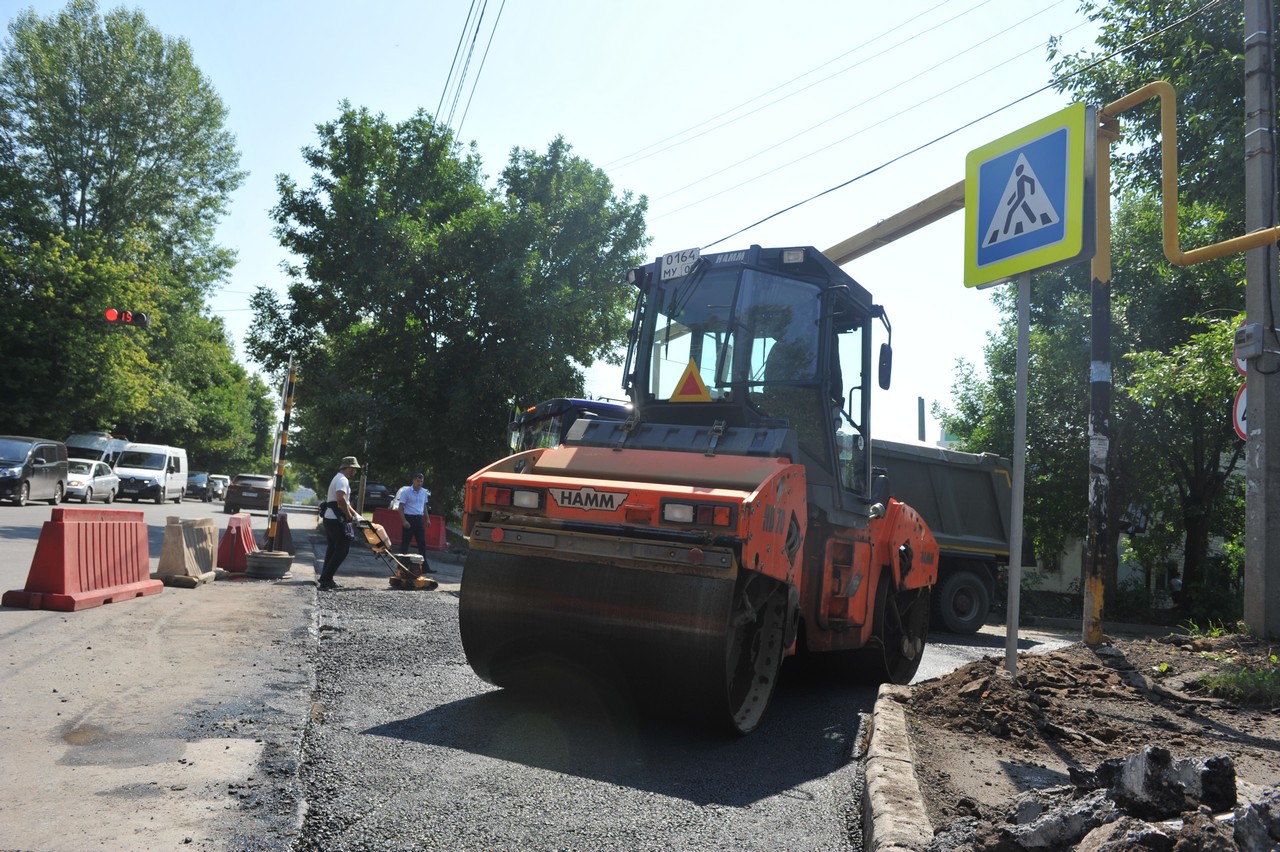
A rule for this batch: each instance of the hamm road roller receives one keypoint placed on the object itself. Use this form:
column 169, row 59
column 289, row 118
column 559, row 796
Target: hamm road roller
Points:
column 731, row 520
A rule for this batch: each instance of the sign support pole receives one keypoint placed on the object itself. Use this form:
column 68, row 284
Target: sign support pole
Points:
column 1019, row 474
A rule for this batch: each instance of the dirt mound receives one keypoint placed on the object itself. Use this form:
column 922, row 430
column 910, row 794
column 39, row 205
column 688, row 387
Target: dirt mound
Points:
column 980, row 738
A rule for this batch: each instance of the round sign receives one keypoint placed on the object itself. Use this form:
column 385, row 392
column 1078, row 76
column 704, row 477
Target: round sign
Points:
column 1238, row 411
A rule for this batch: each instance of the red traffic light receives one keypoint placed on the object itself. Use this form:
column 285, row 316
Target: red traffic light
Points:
column 115, row 315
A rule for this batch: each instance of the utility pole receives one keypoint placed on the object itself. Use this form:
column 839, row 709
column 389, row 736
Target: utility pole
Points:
column 1262, row 457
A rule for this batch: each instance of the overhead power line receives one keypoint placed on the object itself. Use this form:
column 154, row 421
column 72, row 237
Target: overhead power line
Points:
column 456, row 82
column 1052, row 84
column 886, row 91
column 660, row 146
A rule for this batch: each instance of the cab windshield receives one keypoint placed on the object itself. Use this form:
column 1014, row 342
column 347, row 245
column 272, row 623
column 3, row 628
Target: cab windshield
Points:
column 735, row 330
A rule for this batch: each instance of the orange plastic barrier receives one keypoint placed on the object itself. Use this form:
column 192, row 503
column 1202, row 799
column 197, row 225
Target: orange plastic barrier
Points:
column 236, row 541
column 390, row 519
column 85, row 558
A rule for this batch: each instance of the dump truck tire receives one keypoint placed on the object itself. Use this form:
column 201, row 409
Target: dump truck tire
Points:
column 962, row 601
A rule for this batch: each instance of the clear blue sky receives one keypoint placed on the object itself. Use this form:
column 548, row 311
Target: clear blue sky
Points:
column 721, row 113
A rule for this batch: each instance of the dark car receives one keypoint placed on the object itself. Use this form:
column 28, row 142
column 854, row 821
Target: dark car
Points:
column 377, row 496
column 248, row 491
column 32, row 469
column 199, row 486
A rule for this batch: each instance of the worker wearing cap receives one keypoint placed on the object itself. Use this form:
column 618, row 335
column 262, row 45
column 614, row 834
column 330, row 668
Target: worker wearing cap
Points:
column 413, row 516
column 338, row 512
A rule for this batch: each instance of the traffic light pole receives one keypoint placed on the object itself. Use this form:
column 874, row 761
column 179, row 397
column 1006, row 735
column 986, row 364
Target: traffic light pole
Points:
column 1262, row 468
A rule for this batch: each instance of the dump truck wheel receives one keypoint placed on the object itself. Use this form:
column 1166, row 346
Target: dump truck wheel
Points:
column 963, row 601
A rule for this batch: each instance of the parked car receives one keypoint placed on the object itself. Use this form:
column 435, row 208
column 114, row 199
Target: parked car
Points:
column 377, row 496
column 199, row 487
column 32, row 469
column 248, row 491
column 91, row 480
column 152, row 472
column 218, row 485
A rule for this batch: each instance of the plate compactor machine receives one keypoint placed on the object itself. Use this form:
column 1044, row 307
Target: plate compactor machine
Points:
column 732, row 520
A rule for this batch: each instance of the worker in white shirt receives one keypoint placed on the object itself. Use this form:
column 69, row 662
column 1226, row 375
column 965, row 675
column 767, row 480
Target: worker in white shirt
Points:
column 412, row 501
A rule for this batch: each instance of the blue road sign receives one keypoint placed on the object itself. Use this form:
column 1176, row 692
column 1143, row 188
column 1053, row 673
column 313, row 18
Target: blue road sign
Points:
column 1028, row 198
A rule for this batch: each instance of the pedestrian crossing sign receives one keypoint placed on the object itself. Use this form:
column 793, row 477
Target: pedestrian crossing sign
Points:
column 1029, row 198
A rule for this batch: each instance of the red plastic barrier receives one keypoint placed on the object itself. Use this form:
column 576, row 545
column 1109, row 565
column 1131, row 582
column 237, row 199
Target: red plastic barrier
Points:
column 236, row 541
column 390, row 519
column 436, row 539
column 85, row 558
column 284, row 538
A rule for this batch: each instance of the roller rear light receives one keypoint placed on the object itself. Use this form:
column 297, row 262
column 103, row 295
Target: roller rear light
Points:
column 698, row 514
column 507, row 496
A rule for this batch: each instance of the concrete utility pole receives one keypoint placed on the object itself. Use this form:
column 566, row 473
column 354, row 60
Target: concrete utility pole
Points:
column 1096, row 549
column 1262, row 483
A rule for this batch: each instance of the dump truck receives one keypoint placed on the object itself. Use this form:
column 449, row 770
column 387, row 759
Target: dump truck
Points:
column 963, row 497
column 730, row 521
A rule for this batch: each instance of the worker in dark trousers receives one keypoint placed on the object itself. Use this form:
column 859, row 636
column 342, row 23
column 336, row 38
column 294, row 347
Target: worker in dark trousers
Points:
column 338, row 515
column 412, row 500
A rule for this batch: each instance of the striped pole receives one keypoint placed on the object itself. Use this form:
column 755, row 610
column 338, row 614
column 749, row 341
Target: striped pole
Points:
column 282, row 443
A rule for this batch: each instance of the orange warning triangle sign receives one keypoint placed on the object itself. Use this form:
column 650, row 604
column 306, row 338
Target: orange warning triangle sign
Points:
column 690, row 388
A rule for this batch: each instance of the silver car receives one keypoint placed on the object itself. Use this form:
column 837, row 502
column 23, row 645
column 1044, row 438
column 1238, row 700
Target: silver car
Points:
column 91, row 480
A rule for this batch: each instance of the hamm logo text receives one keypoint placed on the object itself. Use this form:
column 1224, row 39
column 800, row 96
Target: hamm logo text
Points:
column 588, row 498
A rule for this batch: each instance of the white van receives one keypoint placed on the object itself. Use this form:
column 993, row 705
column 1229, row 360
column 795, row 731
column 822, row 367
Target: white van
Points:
column 152, row 472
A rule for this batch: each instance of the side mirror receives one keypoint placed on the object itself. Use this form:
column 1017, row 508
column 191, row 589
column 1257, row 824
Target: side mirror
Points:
column 886, row 365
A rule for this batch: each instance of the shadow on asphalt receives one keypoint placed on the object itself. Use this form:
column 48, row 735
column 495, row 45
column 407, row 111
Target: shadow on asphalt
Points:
column 807, row 734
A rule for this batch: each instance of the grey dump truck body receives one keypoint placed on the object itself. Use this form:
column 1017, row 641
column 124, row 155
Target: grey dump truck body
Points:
column 964, row 498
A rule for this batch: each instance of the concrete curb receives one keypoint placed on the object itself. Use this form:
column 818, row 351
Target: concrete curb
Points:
column 894, row 816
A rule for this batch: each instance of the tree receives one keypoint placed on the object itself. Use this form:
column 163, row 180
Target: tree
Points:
column 114, row 127
column 1157, row 443
column 1171, row 451
column 1182, row 397
column 115, row 165
column 1203, row 58
column 424, row 302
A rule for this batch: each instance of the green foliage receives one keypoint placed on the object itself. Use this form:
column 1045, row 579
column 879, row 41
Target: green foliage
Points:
column 1202, row 58
column 114, row 168
column 1171, row 450
column 114, row 128
column 1211, row 630
column 423, row 302
column 1248, row 685
column 1218, row 596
